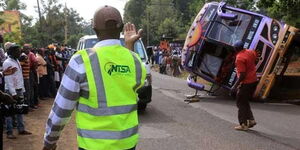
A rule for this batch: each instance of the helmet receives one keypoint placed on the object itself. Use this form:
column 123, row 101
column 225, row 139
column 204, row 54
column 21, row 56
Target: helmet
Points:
column 238, row 45
column 105, row 14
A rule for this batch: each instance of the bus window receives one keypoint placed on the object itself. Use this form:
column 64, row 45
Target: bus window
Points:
column 230, row 31
column 265, row 55
column 264, row 32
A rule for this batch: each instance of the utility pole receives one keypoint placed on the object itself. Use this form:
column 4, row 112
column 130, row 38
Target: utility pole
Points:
column 66, row 24
column 148, row 28
column 40, row 20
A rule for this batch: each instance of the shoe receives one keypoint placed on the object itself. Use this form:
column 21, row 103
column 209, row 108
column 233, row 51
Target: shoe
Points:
column 25, row 133
column 242, row 127
column 251, row 123
column 10, row 136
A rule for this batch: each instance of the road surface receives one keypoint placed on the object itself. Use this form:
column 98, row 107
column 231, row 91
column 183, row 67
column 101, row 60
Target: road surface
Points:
column 170, row 124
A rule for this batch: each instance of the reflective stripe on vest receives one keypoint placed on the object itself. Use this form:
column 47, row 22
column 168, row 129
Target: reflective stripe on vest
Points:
column 107, row 134
column 95, row 115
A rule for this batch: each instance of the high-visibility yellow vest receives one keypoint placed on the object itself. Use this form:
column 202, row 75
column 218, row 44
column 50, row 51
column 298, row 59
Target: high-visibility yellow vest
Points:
column 108, row 119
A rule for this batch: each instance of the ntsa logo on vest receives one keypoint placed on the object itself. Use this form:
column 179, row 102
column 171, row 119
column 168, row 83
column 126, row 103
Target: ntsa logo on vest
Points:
column 114, row 69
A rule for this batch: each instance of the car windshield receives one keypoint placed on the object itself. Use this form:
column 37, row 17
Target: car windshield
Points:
column 138, row 47
column 90, row 43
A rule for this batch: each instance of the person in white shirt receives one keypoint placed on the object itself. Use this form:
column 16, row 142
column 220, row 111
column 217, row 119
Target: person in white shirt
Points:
column 14, row 85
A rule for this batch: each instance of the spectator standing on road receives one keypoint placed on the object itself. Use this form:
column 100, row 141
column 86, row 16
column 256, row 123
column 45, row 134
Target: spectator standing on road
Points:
column 5, row 99
column 24, row 62
column 60, row 60
column 50, row 74
column 245, row 85
column 104, row 97
column 150, row 54
column 2, row 59
column 41, row 72
column 168, row 64
column 2, row 53
column 156, row 55
column 53, row 59
column 176, row 63
column 160, row 56
column 163, row 64
column 14, row 84
column 33, row 93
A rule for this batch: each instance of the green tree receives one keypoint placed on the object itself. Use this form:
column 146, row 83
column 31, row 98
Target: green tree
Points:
column 30, row 33
column 169, row 28
column 54, row 18
column 52, row 22
column 134, row 9
column 161, row 14
column 156, row 17
column 286, row 10
column 15, row 5
column 12, row 5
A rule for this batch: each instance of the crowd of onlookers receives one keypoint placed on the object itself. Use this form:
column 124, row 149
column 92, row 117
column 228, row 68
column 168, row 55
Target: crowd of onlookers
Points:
column 35, row 75
column 169, row 61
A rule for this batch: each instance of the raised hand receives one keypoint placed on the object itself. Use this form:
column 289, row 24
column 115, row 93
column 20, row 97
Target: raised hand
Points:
column 130, row 35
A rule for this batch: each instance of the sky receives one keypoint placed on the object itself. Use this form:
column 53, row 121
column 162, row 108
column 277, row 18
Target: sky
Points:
column 85, row 8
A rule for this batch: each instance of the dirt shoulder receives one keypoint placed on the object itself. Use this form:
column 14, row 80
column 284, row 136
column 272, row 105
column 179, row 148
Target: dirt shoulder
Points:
column 35, row 122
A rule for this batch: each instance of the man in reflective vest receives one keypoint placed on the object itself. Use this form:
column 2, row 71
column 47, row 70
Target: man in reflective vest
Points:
column 101, row 83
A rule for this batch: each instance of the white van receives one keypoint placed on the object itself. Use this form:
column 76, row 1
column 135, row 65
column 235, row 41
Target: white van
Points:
column 145, row 93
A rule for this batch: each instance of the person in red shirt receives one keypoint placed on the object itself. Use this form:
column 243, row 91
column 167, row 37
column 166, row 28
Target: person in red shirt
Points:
column 245, row 85
column 33, row 87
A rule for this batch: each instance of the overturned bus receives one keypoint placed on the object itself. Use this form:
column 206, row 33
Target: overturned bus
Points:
column 208, row 50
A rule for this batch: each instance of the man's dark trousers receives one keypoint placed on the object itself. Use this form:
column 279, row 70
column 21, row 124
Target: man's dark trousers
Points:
column 27, row 94
column 244, row 95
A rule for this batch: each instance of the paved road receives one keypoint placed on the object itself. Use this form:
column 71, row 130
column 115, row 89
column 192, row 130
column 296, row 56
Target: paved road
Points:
column 171, row 124
column 209, row 123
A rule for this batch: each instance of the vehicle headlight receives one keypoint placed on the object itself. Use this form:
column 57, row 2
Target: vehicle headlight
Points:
column 275, row 28
column 274, row 32
column 275, row 36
